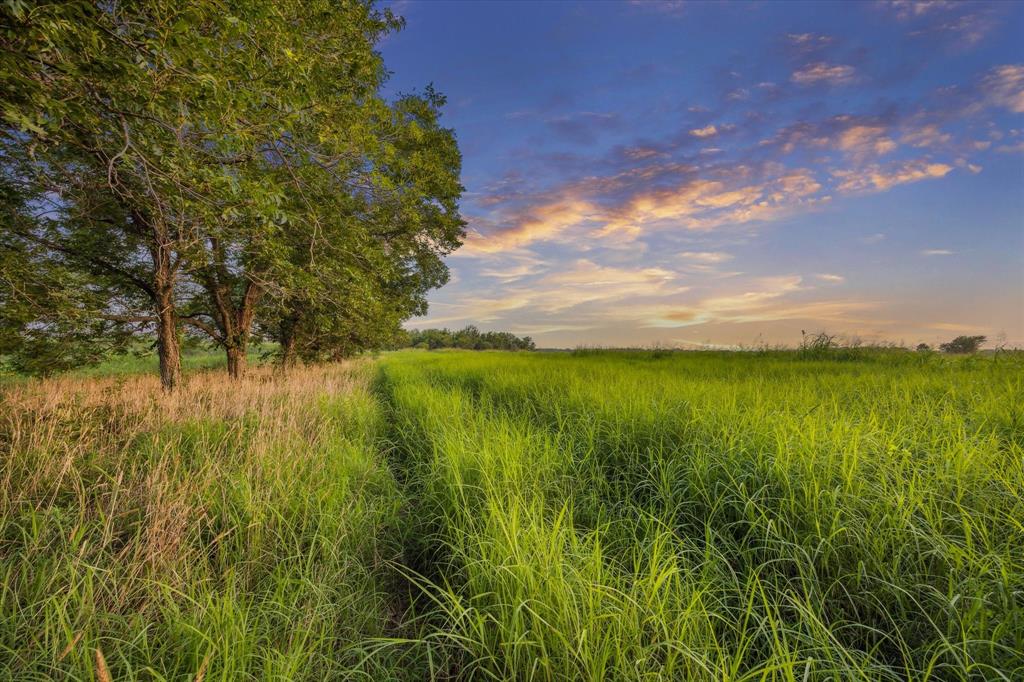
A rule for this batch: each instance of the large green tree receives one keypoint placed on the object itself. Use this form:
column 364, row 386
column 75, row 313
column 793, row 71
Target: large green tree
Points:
column 377, row 248
column 211, row 161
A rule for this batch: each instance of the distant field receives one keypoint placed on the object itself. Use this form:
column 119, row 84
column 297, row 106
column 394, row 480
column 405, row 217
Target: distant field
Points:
column 460, row 515
column 146, row 362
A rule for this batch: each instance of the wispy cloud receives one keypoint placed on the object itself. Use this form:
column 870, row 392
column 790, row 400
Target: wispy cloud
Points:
column 823, row 72
column 866, row 140
column 928, row 135
column 907, row 9
column 877, row 178
column 706, row 256
column 936, row 252
column 807, row 42
column 1004, row 86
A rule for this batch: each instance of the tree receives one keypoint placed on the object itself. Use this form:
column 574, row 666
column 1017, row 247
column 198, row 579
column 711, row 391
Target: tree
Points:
column 48, row 320
column 103, row 136
column 373, row 252
column 196, row 167
column 963, row 344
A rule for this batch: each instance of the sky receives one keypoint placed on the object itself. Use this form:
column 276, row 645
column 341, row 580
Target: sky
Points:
column 714, row 174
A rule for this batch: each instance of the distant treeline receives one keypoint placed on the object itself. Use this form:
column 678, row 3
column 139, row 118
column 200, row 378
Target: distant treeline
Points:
column 468, row 338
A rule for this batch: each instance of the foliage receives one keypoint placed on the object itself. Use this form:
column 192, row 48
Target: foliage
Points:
column 467, row 338
column 48, row 320
column 963, row 344
column 225, row 170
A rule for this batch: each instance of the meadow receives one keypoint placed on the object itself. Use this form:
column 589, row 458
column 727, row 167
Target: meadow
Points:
column 520, row 516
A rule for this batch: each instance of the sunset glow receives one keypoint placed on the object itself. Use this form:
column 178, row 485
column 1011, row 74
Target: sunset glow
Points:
column 707, row 174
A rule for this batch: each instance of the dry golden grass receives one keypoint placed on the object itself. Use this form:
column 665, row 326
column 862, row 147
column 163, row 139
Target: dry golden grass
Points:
column 118, row 501
column 55, row 430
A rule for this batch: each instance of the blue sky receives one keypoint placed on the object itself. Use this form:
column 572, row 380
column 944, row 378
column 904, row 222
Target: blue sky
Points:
column 719, row 174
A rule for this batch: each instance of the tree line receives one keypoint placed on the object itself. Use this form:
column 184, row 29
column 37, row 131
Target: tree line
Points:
column 469, row 338
column 228, row 171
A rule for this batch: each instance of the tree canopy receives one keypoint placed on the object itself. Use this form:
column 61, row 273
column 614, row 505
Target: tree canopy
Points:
column 215, row 170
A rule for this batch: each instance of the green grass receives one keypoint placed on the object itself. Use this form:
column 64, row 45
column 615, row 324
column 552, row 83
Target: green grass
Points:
column 459, row 515
column 193, row 360
column 719, row 516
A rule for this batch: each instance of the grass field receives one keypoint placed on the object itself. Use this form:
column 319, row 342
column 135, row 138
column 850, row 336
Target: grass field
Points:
column 459, row 515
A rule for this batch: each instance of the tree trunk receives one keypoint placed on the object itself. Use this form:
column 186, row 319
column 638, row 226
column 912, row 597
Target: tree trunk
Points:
column 167, row 341
column 289, row 350
column 288, row 354
column 168, row 348
column 236, row 361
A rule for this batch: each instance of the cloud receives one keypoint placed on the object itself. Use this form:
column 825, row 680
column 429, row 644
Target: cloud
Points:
column 968, row 30
column 873, row 238
column 588, row 282
column 1004, row 86
column 857, row 135
column 641, row 153
column 877, row 178
column 541, row 222
column 809, row 41
column 764, row 299
column 823, row 72
column 908, row 9
column 929, row 135
column 706, row 131
column 669, row 7
column 584, row 286
column 828, row 277
column 865, row 140
column 515, row 264
column 708, row 257
column 936, row 252
column 936, row 17
column 953, row 327
column 1017, row 148
column 704, row 204
column 619, row 208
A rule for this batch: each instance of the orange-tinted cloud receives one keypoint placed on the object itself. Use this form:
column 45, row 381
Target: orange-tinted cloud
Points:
column 865, row 140
column 877, row 178
column 706, row 131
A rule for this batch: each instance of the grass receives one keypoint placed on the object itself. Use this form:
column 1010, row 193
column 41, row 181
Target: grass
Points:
column 231, row 531
column 594, row 516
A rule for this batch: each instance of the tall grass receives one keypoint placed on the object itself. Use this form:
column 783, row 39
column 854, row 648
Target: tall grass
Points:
column 717, row 516
column 231, row 531
column 591, row 516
